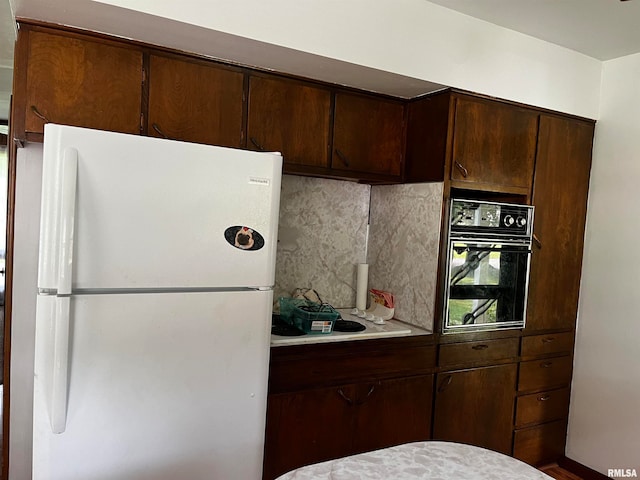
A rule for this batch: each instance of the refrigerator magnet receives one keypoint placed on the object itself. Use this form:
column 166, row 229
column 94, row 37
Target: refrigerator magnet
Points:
column 244, row 238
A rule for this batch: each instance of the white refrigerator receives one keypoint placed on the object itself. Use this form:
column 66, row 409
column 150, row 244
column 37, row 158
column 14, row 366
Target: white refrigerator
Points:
column 156, row 267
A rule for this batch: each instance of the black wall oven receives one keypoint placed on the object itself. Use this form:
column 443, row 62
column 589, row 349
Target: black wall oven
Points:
column 489, row 251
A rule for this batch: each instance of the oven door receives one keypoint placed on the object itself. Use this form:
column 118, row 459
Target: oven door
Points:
column 486, row 284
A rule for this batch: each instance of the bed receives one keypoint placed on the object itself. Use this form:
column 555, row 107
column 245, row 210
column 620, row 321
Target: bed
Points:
column 421, row 460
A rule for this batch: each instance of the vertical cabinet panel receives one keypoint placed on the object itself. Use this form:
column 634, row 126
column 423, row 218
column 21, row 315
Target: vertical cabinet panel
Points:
column 289, row 117
column 367, row 135
column 195, row 102
column 493, row 143
column 476, row 407
column 560, row 196
column 78, row 82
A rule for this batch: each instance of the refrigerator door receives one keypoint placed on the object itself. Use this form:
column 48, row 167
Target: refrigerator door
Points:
column 154, row 213
column 160, row 386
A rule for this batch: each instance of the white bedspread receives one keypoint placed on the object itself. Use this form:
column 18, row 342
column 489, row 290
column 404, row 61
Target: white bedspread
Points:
column 421, row 460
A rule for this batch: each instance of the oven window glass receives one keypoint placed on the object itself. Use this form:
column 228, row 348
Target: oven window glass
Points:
column 487, row 283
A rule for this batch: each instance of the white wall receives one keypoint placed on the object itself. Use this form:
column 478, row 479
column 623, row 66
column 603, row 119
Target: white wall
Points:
column 604, row 420
column 413, row 38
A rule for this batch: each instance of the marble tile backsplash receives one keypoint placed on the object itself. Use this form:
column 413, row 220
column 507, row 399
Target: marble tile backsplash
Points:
column 321, row 237
column 404, row 241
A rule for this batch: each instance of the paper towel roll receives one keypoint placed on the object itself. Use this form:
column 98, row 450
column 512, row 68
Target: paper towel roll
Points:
column 361, row 286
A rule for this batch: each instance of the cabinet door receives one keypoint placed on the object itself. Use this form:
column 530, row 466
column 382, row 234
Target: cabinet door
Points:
column 393, row 412
column 308, row 427
column 476, row 407
column 291, row 118
column 493, row 144
column 367, row 135
column 195, row 102
column 75, row 81
column 560, row 198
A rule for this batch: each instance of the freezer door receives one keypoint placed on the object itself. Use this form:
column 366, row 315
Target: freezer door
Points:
column 160, row 387
column 155, row 213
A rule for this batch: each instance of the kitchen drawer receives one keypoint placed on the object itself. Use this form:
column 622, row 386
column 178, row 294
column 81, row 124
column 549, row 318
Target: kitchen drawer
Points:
column 478, row 352
column 541, row 444
column 542, row 407
column 547, row 344
column 544, row 374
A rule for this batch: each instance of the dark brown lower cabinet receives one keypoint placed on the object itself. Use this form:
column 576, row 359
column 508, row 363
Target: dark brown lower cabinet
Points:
column 321, row 424
column 393, row 412
column 475, row 406
column 306, row 427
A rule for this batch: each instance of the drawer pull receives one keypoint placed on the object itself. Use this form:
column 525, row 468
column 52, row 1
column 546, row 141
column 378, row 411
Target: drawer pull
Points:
column 480, row 347
column 445, row 383
column 38, row 114
column 537, row 241
column 546, row 364
column 343, row 158
column 548, row 339
column 464, row 171
column 156, row 127
column 345, row 398
column 544, row 398
column 366, row 397
column 257, row 144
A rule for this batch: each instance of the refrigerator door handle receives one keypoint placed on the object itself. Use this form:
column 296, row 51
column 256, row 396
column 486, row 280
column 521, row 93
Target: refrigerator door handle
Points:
column 68, row 180
column 60, row 366
column 68, row 176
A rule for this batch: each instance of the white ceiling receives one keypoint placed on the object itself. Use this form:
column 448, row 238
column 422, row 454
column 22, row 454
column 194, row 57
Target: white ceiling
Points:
column 602, row 29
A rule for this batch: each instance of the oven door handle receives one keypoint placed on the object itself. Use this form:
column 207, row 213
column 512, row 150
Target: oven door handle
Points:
column 524, row 249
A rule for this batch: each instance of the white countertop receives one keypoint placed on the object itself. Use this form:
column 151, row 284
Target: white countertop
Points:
column 392, row 328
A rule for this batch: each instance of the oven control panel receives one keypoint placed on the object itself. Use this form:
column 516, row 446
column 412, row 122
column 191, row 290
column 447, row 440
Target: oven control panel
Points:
column 491, row 218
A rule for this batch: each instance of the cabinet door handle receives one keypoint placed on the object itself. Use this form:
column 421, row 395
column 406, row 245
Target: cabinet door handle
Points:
column 256, row 144
column 548, row 339
column 160, row 132
column 345, row 398
column 546, row 364
column 537, row 241
column 366, row 397
column 445, row 383
column 464, row 171
column 342, row 157
column 544, row 398
column 480, row 347
column 38, row 114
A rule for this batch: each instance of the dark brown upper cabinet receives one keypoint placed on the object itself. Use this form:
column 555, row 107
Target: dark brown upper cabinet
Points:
column 195, row 101
column 473, row 142
column 560, row 191
column 73, row 80
column 289, row 117
column 368, row 135
column 493, row 144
